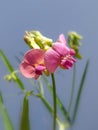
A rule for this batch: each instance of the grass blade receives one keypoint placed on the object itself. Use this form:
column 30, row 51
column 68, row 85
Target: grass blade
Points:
column 47, row 105
column 80, row 91
column 6, row 62
column 6, row 120
column 11, row 70
column 25, row 124
column 73, row 88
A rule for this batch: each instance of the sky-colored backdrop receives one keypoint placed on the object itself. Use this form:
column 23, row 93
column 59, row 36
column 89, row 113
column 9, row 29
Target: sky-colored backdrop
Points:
column 51, row 17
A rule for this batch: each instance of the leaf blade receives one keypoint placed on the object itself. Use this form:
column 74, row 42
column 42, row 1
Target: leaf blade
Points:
column 80, row 91
column 6, row 120
column 11, row 70
column 24, row 123
column 6, row 62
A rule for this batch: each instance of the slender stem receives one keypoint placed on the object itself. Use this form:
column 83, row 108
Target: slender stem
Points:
column 73, row 87
column 61, row 125
column 54, row 101
column 58, row 101
column 48, row 106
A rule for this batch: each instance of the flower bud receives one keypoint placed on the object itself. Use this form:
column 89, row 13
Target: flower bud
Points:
column 28, row 38
column 37, row 41
column 74, row 43
column 11, row 76
column 44, row 42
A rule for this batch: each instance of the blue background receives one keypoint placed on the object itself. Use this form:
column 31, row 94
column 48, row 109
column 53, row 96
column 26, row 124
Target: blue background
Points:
column 51, row 17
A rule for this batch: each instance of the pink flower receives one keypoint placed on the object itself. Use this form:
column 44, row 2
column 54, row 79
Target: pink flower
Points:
column 59, row 55
column 33, row 64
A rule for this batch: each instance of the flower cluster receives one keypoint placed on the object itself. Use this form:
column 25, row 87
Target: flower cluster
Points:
column 45, row 56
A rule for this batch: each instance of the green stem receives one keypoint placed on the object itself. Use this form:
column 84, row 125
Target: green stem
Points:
column 58, row 101
column 61, row 125
column 73, row 88
column 47, row 104
column 54, row 101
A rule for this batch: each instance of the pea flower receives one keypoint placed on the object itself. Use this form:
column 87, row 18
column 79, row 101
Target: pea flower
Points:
column 33, row 64
column 59, row 55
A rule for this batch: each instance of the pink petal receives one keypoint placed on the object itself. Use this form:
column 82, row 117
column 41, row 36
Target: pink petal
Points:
column 62, row 39
column 67, row 63
column 72, row 52
column 60, row 48
column 52, row 60
column 28, row 70
column 34, row 56
column 39, row 69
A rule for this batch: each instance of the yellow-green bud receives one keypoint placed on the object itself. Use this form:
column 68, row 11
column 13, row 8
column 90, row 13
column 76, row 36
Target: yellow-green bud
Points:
column 28, row 38
column 74, row 42
column 11, row 76
column 36, row 40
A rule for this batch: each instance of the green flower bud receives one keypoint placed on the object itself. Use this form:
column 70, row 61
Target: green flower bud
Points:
column 29, row 93
column 11, row 76
column 29, row 39
column 74, row 43
column 36, row 40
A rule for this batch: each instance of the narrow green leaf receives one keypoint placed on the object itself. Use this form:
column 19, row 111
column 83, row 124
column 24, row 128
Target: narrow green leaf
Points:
column 25, row 124
column 44, row 101
column 6, row 62
column 49, row 107
column 59, row 103
column 80, row 92
column 6, row 120
column 73, row 88
column 11, row 70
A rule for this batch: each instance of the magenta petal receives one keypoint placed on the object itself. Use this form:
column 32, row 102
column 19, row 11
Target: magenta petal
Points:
column 52, row 60
column 72, row 52
column 27, row 70
column 39, row 69
column 67, row 63
column 62, row 39
column 34, row 56
column 60, row 48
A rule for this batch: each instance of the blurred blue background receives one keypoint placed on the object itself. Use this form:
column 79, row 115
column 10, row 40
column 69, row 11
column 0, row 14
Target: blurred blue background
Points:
column 51, row 17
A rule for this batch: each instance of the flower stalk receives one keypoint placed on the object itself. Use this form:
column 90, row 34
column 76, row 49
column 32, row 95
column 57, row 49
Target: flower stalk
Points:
column 54, row 101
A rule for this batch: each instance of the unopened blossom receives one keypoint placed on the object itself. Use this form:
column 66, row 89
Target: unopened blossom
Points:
column 36, row 40
column 74, row 43
column 59, row 55
column 32, row 65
